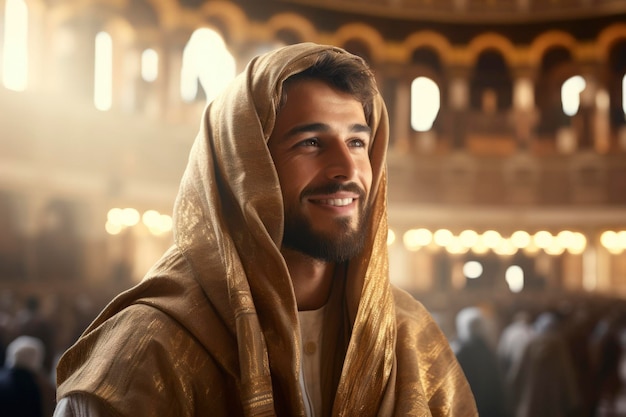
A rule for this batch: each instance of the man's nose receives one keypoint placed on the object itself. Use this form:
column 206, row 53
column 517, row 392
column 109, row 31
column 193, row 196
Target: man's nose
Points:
column 340, row 165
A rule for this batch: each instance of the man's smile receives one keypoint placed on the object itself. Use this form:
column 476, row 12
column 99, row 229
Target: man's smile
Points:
column 339, row 202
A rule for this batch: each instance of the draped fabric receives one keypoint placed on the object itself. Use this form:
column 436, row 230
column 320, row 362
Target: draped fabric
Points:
column 213, row 327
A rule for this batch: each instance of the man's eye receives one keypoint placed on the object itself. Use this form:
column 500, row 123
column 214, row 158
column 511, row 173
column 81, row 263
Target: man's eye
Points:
column 310, row 142
column 358, row 143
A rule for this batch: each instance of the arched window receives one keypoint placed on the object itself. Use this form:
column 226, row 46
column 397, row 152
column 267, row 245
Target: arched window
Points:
column 425, row 103
column 570, row 94
column 15, row 59
column 556, row 68
column 360, row 48
column 514, row 277
column 288, row 37
column 617, row 84
column 103, row 72
column 624, row 93
column 206, row 62
column 149, row 65
column 491, row 86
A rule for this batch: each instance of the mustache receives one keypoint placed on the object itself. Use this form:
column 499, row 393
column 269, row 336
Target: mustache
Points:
column 333, row 187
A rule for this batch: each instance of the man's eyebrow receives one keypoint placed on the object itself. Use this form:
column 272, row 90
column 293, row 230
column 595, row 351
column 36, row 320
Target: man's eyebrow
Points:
column 310, row 127
column 322, row 127
column 358, row 127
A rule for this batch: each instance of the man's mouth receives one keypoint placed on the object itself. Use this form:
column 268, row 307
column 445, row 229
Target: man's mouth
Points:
column 338, row 202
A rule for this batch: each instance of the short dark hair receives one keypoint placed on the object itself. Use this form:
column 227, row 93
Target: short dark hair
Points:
column 346, row 72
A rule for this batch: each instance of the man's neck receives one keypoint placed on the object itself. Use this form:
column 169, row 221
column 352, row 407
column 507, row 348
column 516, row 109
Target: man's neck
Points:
column 311, row 278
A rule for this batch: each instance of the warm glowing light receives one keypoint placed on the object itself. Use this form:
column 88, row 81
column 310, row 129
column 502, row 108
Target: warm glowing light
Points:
column 491, row 238
column 577, row 244
column 565, row 238
column 524, row 94
column 520, row 239
column 118, row 219
column 103, row 76
column 156, row 222
column 15, row 46
column 416, row 238
column 542, row 239
column 113, row 228
column 614, row 242
column 505, row 248
column 472, row 269
column 468, row 238
column 570, row 94
column 206, row 60
column 442, row 237
column 425, row 103
column 114, row 216
column 130, row 217
column 149, row 65
column 514, row 277
column 391, row 237
column 480, row 248
column 455, row 246
column 554, row 248
column 609, row 239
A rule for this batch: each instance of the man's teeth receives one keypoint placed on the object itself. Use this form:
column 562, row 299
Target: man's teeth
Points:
column 337, row 201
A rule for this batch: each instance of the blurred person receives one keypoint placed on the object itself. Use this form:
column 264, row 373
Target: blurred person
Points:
column 7, row 321
column 31, row 321
column 544, row 380
column 275, row 298
column 513, row 340
column 473, row 350
column 25, row 391
column 577, row 332
column 605, row 348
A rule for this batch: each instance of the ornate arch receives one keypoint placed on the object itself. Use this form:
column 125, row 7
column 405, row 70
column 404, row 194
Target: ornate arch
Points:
column 491, row 41
column 547, row 40
column 608, row 37
column 427, row 38
column 168, row 12
column 232, row 15
column 360, row 31
column 294, row 22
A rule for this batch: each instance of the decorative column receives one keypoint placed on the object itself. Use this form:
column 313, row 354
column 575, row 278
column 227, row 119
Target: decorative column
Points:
column 459, row 100
column 402, row 116
column 524, row 110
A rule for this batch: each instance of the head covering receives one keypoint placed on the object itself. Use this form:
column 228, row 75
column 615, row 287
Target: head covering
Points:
column 25, row 352
column 470, row 324
column 229, row 224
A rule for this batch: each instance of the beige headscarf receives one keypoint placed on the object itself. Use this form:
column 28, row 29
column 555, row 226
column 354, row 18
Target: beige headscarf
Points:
column 229, row 224
column 226, row 284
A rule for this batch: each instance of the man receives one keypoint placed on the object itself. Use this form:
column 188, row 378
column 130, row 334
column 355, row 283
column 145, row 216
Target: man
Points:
column 280, row 236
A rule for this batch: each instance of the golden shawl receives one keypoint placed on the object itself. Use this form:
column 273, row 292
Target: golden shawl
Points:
column 213, row 328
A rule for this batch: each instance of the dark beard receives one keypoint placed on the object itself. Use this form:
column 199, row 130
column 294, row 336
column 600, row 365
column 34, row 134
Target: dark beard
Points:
column 338, row 247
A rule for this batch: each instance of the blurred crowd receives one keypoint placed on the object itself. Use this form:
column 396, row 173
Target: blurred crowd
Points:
column 527, row 361
column 550, row 363
column 34, row 331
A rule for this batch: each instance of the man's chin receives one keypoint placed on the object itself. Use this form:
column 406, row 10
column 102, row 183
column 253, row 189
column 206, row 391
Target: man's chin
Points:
column 327, row 247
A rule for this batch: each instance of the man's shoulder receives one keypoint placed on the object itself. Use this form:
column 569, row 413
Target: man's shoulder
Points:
column 136, row 331
column 407, row 306
column 412, row 318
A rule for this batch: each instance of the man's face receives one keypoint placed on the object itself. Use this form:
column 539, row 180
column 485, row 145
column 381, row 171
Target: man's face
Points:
column 320, row 148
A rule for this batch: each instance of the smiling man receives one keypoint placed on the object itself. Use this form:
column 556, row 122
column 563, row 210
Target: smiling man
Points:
column 275, row 299
column 320, row 148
